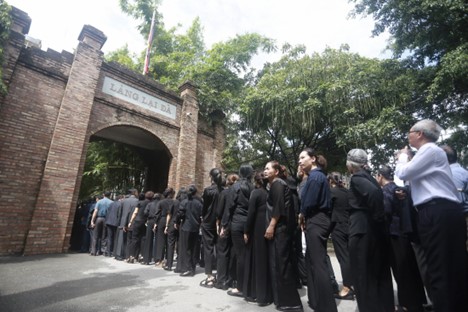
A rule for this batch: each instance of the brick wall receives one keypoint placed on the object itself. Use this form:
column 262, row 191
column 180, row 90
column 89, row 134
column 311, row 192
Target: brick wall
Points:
column 54, row 106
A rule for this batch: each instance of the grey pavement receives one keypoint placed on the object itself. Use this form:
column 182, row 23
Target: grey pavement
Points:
column 79, row 282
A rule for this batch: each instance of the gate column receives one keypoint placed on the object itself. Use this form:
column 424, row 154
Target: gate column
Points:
column 187, row 152
column 53, row 214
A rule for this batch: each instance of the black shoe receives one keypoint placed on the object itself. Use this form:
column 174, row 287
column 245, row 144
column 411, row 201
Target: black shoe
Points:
column 235, row 293
column 263, row 304
column 290, row 309
column 187, row 273
column 167, row 268
column 250, row 300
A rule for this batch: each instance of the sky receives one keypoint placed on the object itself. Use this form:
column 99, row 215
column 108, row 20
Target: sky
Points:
column 315, row 23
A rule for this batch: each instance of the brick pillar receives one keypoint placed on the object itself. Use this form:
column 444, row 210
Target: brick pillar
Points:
column 186, row 155
column 53, row 215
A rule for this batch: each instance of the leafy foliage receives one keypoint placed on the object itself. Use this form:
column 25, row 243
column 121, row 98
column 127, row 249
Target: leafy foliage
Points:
column 111, row 166
column 5, row 23
column 332, row 102
column 432, row 35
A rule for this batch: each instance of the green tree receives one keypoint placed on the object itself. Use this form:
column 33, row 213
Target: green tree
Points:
column 432, row 35
column 332, row 102
column 5, row 22
column 111, row 166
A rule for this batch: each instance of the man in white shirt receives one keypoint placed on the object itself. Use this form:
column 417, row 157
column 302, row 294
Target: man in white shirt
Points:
column 441, row 226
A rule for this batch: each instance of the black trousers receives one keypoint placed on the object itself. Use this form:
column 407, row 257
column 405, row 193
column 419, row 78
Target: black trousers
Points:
column 238, row 245
column 372, row 277
column 147, row 250
column 209, row 237
column 111, row 230
column 340, row 238
column 172, row 238
column 139, row 230
column 161, row 240
column 283, row 281
column 405, row 269
column 188, row 244
column 225, row 268
column 319, row 287
column 99, row 234
column 442, row 231
column 299, row 262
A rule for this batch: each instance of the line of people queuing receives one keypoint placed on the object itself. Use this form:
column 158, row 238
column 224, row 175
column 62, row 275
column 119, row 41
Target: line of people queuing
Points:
column 246, row 231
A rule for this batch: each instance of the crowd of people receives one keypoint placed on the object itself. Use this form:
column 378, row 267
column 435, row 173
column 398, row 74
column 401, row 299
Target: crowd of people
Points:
column 247, row 230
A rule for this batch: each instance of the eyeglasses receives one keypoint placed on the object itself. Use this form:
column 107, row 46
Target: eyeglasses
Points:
column 412, row 131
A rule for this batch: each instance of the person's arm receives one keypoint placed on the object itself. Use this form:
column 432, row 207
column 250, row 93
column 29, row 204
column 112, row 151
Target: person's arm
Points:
column 93, row 218
column 134, row 214
column 415, row 168
column 168, row 219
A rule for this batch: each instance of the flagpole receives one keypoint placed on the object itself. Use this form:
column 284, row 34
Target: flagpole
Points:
column 150, row 41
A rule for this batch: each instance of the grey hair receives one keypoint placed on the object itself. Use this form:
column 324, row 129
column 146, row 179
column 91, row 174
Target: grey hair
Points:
column 429, row 128
column 354, row 165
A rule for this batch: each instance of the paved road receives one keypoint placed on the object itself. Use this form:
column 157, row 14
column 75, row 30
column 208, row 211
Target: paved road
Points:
column 78, row 282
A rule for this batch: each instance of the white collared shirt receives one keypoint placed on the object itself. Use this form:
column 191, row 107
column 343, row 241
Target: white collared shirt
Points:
column 428, row 173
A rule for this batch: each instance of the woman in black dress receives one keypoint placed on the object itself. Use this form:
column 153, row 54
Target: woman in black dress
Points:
column 279, row 232
column 191, row 213
column 257, row 281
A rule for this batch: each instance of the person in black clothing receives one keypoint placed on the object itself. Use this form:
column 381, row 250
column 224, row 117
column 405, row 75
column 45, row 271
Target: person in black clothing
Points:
column 225, row 260
column 257, row 278
column 368, row 238
column 279, row 232
column 298, row 259
column 165, row 207
column 411, row 295
column 208, row 227
column 190, row 212
column 128, row 204
column 138, row 222
column 148, row 245
column 238, row 208
column 315, row 220
column 112, row 221
column 174, row 235
column 339, row 232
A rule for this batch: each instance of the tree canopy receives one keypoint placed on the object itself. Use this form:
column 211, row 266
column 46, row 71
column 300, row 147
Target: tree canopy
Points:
column 332, row 102
column 432, row 36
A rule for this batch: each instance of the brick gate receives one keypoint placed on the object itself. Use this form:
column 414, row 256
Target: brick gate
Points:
column 56, row 103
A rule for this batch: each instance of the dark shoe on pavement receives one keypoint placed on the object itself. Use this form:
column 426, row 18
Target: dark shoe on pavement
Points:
column 187, row 273
column 235, row 293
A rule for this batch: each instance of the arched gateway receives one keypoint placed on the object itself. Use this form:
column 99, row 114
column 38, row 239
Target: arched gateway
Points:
column 56, row 104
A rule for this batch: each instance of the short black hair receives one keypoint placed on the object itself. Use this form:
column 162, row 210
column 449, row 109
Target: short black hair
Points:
column 451, row 154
